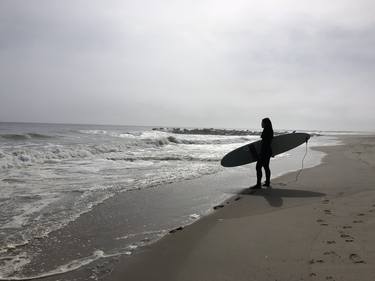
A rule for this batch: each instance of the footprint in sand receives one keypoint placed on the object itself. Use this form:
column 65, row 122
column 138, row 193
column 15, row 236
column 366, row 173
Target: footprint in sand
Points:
column 346, row 226
column 238, row 198
column 325, row 201
column 327, row 212
column 331, row 242
column 360, row 214
column 329, row 278
column 312, row 261
column 330, row 253
column 322, row 222
column 356, row 258
column 218, row 207
column 347, row 237
column 357, row 221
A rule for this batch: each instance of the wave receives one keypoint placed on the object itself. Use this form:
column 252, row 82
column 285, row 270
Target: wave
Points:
column 160, row 137
column 92, row 132
column 27, row 136
column 15, row 137
column 110, row 133
column 55, row 152
column 160, row 141
column 26, row 156
column 163, row 158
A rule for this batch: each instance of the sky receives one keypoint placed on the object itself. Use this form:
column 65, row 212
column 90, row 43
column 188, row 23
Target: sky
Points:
column 198, row 63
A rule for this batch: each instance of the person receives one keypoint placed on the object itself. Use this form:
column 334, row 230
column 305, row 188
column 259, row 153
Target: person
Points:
column 264, row 157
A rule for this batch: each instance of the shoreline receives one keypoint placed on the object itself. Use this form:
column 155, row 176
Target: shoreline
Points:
column 196, row 253
column 93, row 236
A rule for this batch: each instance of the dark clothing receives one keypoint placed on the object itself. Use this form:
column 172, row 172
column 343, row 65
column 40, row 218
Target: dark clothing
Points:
column 266, row 150
column 265, row 156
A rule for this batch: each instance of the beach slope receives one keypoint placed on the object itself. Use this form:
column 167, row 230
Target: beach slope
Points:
column 320, row 227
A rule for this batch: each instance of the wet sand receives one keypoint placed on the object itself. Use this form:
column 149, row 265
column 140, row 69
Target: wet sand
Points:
column 318, row 228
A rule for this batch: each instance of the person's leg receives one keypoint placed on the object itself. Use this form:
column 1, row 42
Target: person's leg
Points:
column 259, row 172
column 266, row 166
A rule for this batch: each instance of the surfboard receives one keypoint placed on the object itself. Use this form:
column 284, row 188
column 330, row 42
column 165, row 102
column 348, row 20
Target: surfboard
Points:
column 248, row 153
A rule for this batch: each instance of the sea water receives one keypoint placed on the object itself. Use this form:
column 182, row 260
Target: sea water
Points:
column 50, row 174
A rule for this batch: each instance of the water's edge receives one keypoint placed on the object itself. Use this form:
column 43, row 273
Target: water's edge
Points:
column 121, row 242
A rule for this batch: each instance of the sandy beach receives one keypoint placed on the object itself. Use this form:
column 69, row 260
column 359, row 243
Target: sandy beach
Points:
column 320, row 227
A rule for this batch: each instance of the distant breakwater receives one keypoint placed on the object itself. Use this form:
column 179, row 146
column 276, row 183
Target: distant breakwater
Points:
column 219, row 132
column 209, row 131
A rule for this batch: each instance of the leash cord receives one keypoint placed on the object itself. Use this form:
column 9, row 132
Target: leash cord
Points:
column 303, row 159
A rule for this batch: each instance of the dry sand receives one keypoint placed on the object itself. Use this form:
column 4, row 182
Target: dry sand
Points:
column 321, row 227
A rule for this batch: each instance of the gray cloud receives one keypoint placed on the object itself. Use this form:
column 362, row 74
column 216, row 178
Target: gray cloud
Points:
column 204, row 63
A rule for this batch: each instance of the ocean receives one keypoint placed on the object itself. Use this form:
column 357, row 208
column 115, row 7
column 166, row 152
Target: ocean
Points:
column 51, row 174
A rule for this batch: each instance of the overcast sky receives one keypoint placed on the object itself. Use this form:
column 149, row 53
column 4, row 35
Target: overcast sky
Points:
column 304, row 64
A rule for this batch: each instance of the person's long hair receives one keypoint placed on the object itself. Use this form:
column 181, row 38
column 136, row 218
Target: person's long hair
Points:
column 267, row 124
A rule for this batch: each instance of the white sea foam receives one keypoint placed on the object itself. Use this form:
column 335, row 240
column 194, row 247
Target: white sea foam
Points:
column 22, row 260
column 26, row 210
column 71, row 266
column 143, row 233
column 194, row 216
column 11, row 264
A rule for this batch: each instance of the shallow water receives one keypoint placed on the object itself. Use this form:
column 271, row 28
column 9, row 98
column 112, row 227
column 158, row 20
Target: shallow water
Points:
column 51, row 174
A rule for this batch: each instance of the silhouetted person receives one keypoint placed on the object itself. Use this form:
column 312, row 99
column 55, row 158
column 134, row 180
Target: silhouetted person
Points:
column 265, row 154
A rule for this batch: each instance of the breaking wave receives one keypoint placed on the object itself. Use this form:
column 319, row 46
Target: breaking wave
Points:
column 164, row 158
column 21, row 156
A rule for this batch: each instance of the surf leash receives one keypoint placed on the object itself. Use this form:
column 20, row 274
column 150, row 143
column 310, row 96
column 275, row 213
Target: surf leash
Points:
column 303, row 159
